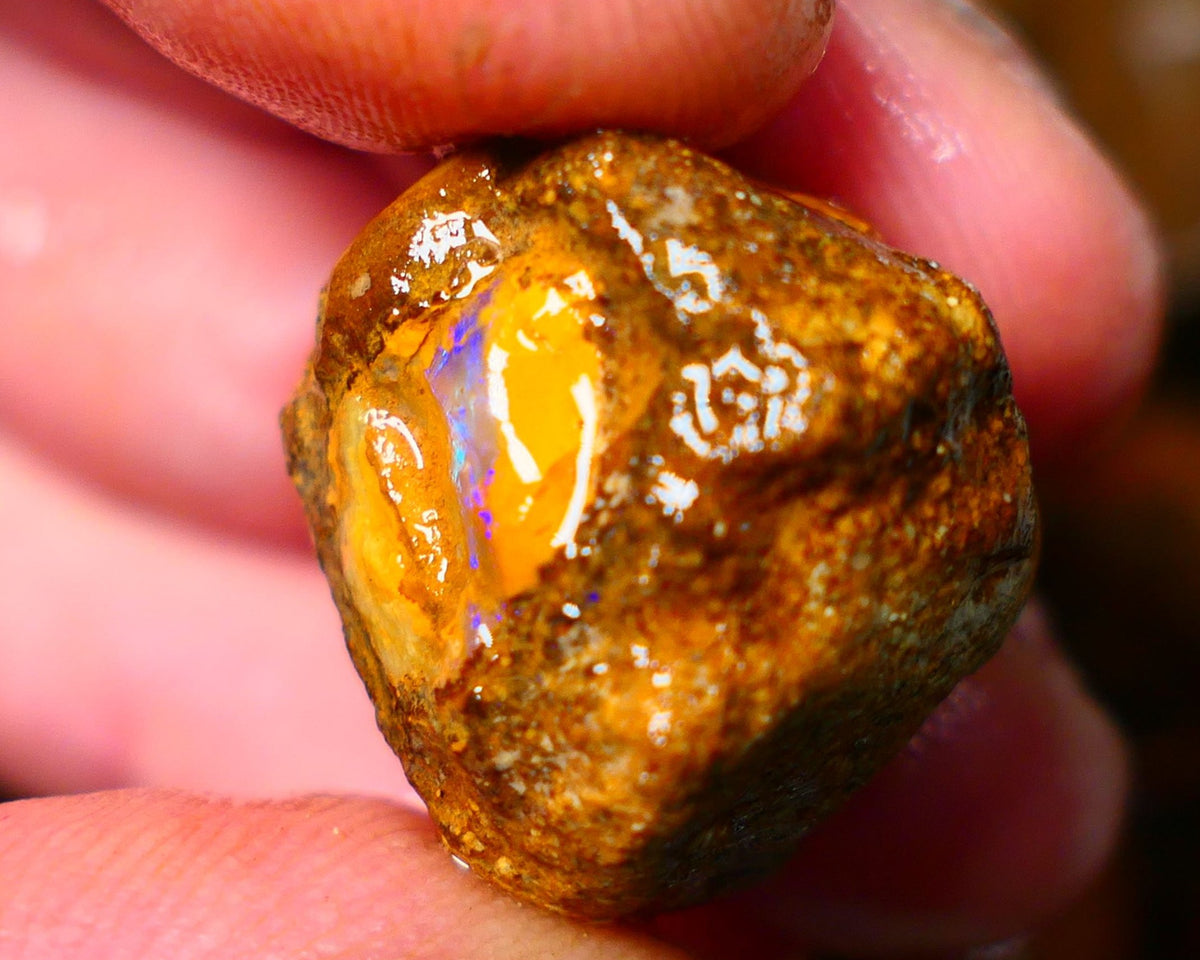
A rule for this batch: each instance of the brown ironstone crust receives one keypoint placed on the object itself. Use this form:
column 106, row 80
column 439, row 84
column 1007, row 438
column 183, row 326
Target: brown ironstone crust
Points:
column 750, row 615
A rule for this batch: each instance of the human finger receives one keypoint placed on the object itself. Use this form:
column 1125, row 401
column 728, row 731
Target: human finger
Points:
column 379, row 75
column 136, row 652
column 156, row 874
column 929, row 122
column 158, row 296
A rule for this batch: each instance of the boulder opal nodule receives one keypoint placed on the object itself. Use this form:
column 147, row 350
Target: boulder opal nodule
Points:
column 660, row 509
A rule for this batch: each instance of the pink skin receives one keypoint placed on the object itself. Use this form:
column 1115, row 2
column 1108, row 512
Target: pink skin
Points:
column 378, row 77
column 163, row 623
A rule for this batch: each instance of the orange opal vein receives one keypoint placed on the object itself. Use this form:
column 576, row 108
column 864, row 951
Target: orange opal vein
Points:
column 660, row 509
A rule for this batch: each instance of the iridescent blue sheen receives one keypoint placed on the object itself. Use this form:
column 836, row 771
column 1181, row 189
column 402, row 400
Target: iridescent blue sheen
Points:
column 458, row 378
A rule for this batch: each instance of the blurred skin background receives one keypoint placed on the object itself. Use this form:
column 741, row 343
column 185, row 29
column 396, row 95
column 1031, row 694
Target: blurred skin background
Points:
column 1121, row 568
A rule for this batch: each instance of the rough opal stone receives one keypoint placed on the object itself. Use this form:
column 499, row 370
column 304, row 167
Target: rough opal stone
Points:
column 660, row 509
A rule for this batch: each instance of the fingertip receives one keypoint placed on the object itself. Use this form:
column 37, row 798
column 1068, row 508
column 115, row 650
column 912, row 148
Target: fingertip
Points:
column 154, row 873
column 374, row 76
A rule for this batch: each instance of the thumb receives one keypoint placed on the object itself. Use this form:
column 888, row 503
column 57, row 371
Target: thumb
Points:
column 154, row 874
column 405, row 74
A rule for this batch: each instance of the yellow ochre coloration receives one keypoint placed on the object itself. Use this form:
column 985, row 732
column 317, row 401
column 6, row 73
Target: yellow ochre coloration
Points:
column 543, row 389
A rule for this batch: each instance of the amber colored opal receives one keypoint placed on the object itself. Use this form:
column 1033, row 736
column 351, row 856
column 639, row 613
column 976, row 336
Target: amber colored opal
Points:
column 660, row 509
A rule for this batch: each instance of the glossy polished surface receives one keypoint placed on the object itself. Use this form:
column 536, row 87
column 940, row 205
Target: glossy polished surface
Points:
column 660, row 509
